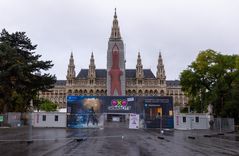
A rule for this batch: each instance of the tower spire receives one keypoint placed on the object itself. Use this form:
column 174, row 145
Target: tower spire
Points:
column 160, row 70
column 71, row 70
column 115, row 16
column 139, row 70
column 91, row 71
column 115, row 31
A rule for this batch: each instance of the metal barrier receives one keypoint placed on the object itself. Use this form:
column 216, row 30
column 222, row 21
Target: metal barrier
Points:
column 3, row 120
column 13, row 119
column 224, row 124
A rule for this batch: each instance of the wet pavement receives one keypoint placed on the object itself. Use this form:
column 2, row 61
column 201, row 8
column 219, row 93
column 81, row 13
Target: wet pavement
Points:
column 115, row 140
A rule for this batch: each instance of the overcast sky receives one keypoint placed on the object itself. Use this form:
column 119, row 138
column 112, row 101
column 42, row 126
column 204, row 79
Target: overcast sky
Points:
column 177, row 28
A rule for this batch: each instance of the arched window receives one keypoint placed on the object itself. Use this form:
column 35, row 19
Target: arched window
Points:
column 91, row 92
column 151, row 92
column 85, row 92
column 129, row 92
column 76, row 92
column 97, row 92
column 69, row 92
column 155, row 92
column 140, row 92
column 80, row 92
column 102, row 93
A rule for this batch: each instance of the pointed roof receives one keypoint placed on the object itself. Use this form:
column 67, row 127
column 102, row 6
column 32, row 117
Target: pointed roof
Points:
column 160, row 68
column 115, row 31
column 92, row 55
column 71, row 68
column 139, row 55
column 71, row 61
column 160, row 60
column 160, row 54
column 92, row 61
column 139, row 62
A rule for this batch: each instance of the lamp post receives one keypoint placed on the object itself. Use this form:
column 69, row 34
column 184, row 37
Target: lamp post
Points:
column 30, row 123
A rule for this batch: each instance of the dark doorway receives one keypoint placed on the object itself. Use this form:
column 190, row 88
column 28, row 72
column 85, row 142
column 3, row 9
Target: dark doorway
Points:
column 153, row 116
column 116, row 118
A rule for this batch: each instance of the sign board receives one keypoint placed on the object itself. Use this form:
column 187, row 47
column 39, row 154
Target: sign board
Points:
column 117, row 119
column 1, row 118
column 134, row 121
column 119, row 104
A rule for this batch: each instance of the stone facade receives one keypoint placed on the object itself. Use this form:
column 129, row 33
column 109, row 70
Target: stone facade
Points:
column 133, row 82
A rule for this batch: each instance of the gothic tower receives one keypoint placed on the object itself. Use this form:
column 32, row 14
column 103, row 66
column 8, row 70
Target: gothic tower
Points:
column 70, row 77
column 91, row 71
column 115, row 62
column 161, row 77
column 139, row 71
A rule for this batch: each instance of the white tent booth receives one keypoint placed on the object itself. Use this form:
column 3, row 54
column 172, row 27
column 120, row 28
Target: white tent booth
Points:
column 188, row 121
column 49, row 119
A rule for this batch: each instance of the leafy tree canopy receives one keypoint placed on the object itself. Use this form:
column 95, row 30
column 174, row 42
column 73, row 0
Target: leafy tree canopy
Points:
column 20, row 80
column 48, row 106
column 212, row 79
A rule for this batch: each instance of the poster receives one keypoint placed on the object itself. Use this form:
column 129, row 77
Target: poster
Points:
column 134, row 121
column 83, row 112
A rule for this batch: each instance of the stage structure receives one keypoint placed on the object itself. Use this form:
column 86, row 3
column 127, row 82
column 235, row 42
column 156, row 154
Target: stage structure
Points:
column 93, row 111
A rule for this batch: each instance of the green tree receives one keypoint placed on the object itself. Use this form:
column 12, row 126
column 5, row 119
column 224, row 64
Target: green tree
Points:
column 212, row 79
column 48, row 106
column 20, row 80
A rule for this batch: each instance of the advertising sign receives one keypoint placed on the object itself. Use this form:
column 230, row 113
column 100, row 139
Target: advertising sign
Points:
column 84, row 112
column 134, row 121
column 118, row 104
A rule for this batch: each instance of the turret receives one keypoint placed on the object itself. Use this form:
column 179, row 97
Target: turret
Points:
column 139, row 70
column 71, row 71
column 91, row 71
column 160, row 71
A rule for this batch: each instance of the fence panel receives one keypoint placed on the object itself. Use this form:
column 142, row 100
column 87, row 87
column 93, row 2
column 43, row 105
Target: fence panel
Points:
column 224, row 124
column 3, row 120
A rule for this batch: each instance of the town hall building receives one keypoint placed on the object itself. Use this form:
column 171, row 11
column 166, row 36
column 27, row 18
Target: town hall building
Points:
column 115, row 80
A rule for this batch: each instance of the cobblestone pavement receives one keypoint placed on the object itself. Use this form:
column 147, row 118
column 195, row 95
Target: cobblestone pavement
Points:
column 115, row 140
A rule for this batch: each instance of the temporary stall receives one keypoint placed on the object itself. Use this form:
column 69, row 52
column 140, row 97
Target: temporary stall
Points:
column 94, row 111
column 191, row 121
column 49, row 119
